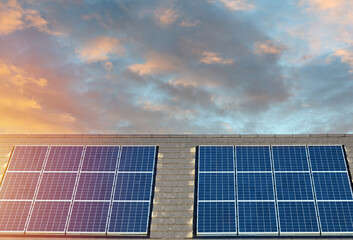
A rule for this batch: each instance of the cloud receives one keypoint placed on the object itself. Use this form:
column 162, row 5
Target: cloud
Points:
column 266, row 48
column 237, row 5
column 13, row 17
column 346, row 57
column 214, row 58
column 100, row 48
column 166, row 16
column 189, row 23
column 154, row 64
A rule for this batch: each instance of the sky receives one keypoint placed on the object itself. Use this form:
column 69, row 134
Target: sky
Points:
column 200, row 66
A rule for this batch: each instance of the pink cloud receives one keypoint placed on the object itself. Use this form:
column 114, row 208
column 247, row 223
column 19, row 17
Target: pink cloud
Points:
column 266, row 48
column 237, row 5
column 214, row 58
column 166, row 16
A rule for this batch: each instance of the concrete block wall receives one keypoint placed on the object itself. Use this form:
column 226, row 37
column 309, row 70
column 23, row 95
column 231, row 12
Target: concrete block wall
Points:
column 173, row 203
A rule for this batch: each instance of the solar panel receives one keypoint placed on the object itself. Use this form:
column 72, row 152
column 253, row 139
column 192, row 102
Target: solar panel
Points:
column 216, row 158
column 13, row 215
column 294, row 186
column 332, row 186
column 101, row 158
column 253, row 158
column 255, row 186
column 95, row 186
column 137, row 158
column 56, row 186
column 133, row 186
column 216, row 186
column 64, row 158
column 290, row 158
column 327, row 158
column 27, row 158
column 257, row 218
column 19, row 185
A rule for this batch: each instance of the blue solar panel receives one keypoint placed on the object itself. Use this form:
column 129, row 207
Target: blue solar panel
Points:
column 327, row 158
column 64, row 158
column 19, row 185
column 336, row 217
column 129, row 217
column 137, row 158
column 100, row 158
column 49, row 216
column 90, row 217
column 253, row 158
column 294, row 186
column 332, row 186
column 28, row 158
column 255, row 186
column 216, row 186
column 290, row 158
column 95, row 186
column 257, row 217
column 13, row 215
column 57, row 186
column 216, row 158
column 216, row 217
column 133, row 186
column 297, row 217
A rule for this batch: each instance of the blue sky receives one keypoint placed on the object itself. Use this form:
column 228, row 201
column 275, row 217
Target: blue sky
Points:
column 216, row 66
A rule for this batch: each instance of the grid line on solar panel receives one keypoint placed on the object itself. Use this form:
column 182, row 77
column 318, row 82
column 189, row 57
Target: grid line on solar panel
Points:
column 94, row 186
column 28, row 158
column 13, row 215
column 137, row 158
column 19, row 185
column 255, row 186
column 101, row 158
column 133, row 186
column 327, row 158
column 216, row 158
column 332, row 186
column 294, row 186
column 64, row 158
column 253, row 158
column 56, row 186
column 290, row 158
column 216, row 186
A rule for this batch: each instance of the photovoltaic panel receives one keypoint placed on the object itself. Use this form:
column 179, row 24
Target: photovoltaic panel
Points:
column 253, row 158
column 129, row 217
column 216, row 217
column 290, row 158
column 101, row 158
column 216, row 158
column 133, row 186
column 137, row 158
column 13, row 215
column 95, row 186
column 332, row 186
column 19, row 185
column 327, row 158
column 336, row 217
column 89, row 217
column 216, row 186
column 294, row 186
column 49, row 216
column 56, row 186
column 257, row 218
column 255, row 186
column 297, row 217
column 28, row 158
column 64, row 158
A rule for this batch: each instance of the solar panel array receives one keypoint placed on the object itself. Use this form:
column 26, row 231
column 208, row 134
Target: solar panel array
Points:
column 273, row 190
column 78, row 190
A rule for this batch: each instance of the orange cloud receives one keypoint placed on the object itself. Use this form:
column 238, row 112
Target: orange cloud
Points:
column 166, row 16
column 266, row 48
column 155, row 63
column 214, row 58
column 13, row 17
column 100, row 48
column 237, row 5
column 346, row 57
column 323, row 4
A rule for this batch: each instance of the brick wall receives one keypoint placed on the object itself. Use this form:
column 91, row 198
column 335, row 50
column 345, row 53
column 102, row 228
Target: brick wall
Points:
column 173, row 204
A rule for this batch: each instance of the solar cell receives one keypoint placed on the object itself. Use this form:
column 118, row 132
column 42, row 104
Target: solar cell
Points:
column 100, row 158
column 294, row 186
column 297, row 218
column 133, row 186
column 64, row 158
column 49, row 216
column 327, row 158
column 216, row 158
column 56, row 186
column 253, row 158
column 332, row 186
column 13, row 215
column 255, row 186
column 216, row 217
column 257, row 218
column 137, row 158
column 28, row 158
column 95, row 186
column 129, row 217
column 216, row 186
column 290, row 158
column 89, row 217
column 336, row 218
column 19, row 185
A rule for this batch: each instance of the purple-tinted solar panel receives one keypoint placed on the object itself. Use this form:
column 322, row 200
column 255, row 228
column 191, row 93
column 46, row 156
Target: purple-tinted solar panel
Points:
column 19, row 185
column 100, row 158
column 95, row 186
column 64, row 158
column 133, row 186
column 13, row 215
column 57, row 186
column 49, row 216
column 28, row 158
column 89, row 217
